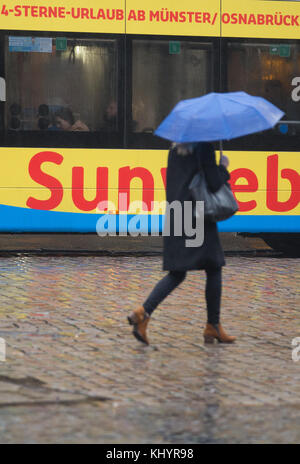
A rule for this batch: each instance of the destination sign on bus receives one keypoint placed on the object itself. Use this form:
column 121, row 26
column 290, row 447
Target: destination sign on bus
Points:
column 195, row 18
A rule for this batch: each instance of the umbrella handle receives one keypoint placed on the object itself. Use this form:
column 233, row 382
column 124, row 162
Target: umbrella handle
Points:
column 221, row 150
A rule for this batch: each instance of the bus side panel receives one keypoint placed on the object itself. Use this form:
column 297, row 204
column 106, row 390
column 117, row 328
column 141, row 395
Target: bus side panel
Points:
column 68, row 189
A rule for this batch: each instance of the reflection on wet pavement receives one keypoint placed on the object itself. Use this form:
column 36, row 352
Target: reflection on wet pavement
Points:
column 74, row 373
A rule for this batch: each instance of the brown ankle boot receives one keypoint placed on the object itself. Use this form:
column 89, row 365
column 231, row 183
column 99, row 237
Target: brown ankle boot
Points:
column 139, row 319
column 217, row 332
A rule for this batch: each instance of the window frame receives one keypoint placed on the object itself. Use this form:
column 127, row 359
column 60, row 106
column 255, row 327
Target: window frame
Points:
column 267, row 140
column 124, row 138
column 140, row 140
column 64, row 139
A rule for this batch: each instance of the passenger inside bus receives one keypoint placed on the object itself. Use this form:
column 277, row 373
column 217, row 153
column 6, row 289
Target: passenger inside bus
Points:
column 110, row 116
column 273, row 92
column 15, row 111
column 46, row 119
column 43, row 123
column 65, row 120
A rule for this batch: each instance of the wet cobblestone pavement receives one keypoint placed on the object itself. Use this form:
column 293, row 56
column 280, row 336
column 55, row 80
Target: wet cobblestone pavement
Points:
column 74, row 373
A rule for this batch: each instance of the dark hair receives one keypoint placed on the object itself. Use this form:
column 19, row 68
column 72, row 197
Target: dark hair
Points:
column 66, row 114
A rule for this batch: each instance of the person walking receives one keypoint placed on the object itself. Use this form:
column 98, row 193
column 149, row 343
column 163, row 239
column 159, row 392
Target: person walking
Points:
column 184, row 162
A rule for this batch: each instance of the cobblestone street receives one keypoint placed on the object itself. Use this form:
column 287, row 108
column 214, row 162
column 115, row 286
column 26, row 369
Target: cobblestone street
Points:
column 74, row 373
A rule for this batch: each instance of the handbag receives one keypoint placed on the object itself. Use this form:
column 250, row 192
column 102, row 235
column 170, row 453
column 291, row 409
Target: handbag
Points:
column 218, row 206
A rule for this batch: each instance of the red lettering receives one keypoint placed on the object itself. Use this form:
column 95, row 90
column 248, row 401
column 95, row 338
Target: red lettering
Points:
column 206, row 17
column 174, row 16
column 272, row 186
column 4, row 11
column 76, row 15
column 52, row 12
column 120, row 15
column 101, row 14
column 132, row 16
column 34, row 11
column 18, row 10
column 154, row 15
column 26, row 8
column 269, row 20
column 61, row 12
column 126, row 175
column 111, row 15
column 163, row 173
column 198, row 17
column 295, row 21
column 252, row 19
column 251, row 186
column 43, row 11
column 84, row 13
column 225, row 18
column 242, row 19
column 182, row 17
column 92, row 16
column 78, row 189
column 260, row 19
column 190, row 15
column 234, row 18
column 141, row 15
column 46, row 180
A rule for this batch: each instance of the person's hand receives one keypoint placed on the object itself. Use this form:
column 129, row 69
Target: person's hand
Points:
column 224, row 161
column 79, row 126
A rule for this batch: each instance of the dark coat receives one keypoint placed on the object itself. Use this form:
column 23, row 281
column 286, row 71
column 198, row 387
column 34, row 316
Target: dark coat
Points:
column 181, row 169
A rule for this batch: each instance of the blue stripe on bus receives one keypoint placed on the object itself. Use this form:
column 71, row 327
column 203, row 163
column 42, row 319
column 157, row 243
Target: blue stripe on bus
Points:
column 261, row 224
column 16, row 219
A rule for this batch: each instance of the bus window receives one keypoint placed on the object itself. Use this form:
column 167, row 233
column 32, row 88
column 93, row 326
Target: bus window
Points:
column 61, row 84
column 267, row 70
column 163, row 73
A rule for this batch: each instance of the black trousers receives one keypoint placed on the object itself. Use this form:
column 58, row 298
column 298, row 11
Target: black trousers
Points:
column 213, row 292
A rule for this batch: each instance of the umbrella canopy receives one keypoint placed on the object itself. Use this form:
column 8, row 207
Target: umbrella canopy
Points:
column 218, row 116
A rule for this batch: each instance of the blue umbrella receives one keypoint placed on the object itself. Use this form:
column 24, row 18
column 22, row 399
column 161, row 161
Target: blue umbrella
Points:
column 218, row 116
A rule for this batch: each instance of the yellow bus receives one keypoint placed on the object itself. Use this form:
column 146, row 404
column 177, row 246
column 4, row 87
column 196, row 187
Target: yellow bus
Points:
column 84, row 84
